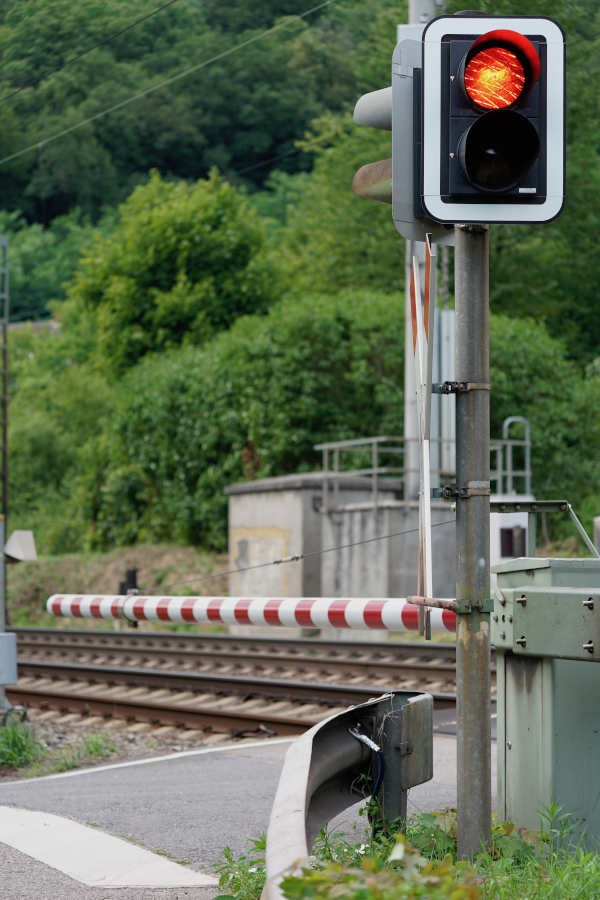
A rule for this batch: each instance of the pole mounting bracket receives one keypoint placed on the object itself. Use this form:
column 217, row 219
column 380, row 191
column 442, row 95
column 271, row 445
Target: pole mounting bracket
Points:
column 453, row 492
column 459, row 387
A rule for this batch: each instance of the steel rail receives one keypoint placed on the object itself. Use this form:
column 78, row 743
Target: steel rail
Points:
column 350, row 665
column 158, row 712
column 160, row 639
column 245, row 686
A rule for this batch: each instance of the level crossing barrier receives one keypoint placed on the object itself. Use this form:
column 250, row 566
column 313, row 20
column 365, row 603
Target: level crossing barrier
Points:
column 357, row 613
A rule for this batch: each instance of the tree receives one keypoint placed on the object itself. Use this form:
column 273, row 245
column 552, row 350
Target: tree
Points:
column 41, row 260
column 183, row 262
column 241, row 111
column 59, row 402
column 333, row 239
column 253, row 401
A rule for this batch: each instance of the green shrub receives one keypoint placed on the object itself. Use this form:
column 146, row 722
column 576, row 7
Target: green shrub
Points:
column 531, row 377
column 255, row 400
column 404, row 874
column 251, row 403
column 182, row 262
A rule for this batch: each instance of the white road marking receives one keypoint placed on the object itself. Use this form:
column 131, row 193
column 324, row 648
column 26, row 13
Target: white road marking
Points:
column 152, row 759
column 90, row 856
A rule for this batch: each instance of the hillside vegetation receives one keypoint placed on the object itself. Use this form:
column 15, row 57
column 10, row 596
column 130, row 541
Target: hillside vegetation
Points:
column 224, row 300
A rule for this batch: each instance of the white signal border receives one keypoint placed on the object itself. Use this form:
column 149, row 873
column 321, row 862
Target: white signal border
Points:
column 555, row 121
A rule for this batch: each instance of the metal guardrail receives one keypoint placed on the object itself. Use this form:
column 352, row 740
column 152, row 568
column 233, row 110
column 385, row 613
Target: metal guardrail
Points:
column 389, row 739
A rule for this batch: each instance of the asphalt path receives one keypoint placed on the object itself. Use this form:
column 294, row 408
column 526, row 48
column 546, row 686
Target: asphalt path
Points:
column 187, row 806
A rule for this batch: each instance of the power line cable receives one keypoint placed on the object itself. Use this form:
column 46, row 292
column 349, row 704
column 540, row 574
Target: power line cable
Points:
column 297, row 557
column 105, row 40
column 224, row 53
column 272, row 159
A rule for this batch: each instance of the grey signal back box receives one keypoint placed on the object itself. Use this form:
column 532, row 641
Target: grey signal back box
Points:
column 548, row 707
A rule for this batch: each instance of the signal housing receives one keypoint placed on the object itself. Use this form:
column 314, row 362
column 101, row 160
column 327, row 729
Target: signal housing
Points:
column 493, row 119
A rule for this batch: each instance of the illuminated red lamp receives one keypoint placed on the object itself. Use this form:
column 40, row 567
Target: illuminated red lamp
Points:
column 500, row 68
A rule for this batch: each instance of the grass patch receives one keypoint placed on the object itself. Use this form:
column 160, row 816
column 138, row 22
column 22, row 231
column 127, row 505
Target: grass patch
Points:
column 541, row 864
column 24, row 756
column 163, row 568
column 18, row 746
column 97, row 746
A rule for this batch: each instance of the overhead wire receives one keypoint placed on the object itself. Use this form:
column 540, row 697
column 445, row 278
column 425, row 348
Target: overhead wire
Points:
column 267, row 162
column 165, row 83
column 297, row 557
column 78, row 56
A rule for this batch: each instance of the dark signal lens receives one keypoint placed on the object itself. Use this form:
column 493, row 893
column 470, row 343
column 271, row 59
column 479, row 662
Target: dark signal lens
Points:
column 494, row 78
column 497, row 150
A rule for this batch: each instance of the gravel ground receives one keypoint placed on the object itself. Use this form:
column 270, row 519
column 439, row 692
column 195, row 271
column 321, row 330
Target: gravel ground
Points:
column 65, row 738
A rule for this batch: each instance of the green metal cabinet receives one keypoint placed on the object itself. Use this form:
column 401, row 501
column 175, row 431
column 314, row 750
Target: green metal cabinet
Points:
column 546, row 629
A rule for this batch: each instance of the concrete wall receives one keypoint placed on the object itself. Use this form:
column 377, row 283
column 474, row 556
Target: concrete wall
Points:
column 387, row 567
column 275, row 517
column 272, row 518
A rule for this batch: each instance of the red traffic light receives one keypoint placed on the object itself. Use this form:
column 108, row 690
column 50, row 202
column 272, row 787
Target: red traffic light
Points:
column 494, row 78
column 500, row 68
column 492, row 118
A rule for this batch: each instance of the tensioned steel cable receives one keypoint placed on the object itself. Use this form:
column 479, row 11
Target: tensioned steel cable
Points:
column 72, row 59
column 296, row 557
column 167, row 81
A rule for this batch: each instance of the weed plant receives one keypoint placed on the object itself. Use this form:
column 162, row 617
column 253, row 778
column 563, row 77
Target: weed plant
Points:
column 18, row 746
column 243, row 877
column 97, row 746
column 521, row 864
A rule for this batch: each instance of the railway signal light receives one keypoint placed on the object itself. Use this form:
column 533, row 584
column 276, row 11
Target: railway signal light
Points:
column 493, row 119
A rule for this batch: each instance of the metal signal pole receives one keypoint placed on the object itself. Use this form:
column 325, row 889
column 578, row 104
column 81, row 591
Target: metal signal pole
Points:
column 471, row 286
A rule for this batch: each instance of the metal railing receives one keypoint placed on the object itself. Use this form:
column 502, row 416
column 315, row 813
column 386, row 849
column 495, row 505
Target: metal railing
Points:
column 504, row 477
column 383, row 476
column 376, row 476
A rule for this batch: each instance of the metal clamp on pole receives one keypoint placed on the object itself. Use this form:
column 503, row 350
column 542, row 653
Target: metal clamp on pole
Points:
column 459, row 387
column 453, row 492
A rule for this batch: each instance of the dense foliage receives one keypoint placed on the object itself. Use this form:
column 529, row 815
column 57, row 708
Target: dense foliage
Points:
column 101, row 462
column 419, row 860
column 42, row 260
column 237, row 109
column 253, row 402
column 181, row 263
column 216, row 324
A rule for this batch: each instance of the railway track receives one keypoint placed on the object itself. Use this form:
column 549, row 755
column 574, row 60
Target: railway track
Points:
column 218, row 682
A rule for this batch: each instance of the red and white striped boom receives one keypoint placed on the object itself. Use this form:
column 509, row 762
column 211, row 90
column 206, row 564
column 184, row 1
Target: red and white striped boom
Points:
column 312, row 612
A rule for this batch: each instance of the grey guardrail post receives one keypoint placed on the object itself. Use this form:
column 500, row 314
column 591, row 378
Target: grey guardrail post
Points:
column 321, row 769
